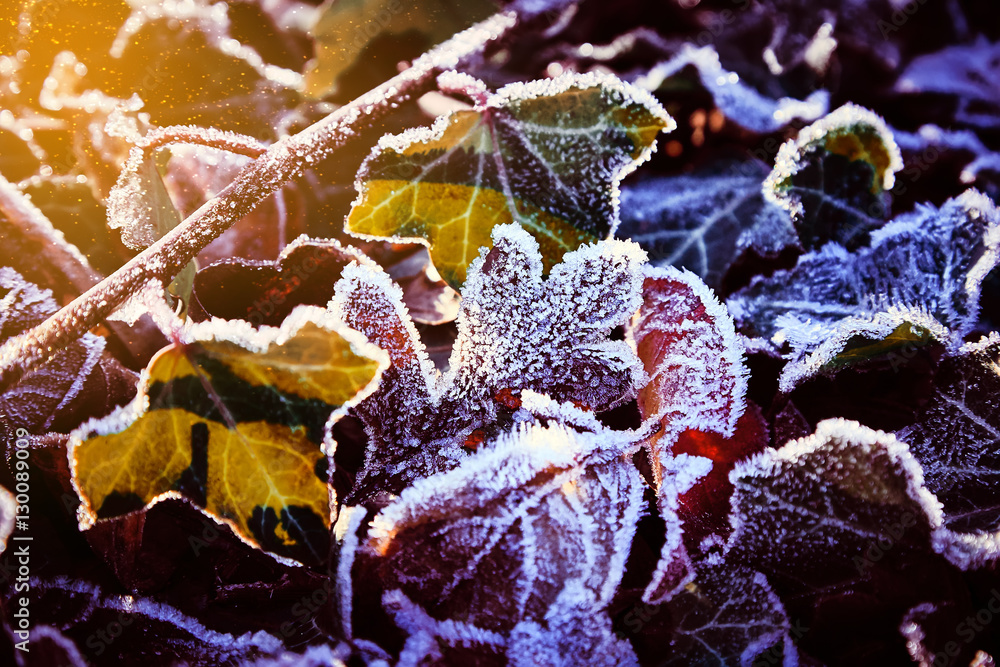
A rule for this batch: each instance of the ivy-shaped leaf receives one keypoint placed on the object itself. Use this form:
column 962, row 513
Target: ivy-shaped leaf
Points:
column 955, row 440
column 82, row 381
column 527, row 537
column 266, row 292
column 547, row 154
column 516, row 331
column 833, row 177
column 919, row 279
column 234, row 421
column 705, row 221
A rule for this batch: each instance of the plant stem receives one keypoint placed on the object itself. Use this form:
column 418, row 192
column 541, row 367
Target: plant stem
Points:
column 284, row 160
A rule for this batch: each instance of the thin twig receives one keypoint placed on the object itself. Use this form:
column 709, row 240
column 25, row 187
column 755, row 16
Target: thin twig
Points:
column 283, row 161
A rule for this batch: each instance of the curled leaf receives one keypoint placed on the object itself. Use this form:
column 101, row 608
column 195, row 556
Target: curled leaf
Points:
column 832, row 177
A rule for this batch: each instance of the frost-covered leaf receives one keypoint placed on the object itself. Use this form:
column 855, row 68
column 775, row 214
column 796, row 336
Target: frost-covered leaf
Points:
column 966, row 72
column 233, row 420
column 739, row 102
column 130, row 629
column 535, row 529
column 704, row 508
column 955, row 439
column 139, row 203
column 833, row 176
column 728, row 616
column 817, row 506
column 547, row 154
column 517, row 330
column 690, row 351
column 404, row 416
column 82, row 381
column 347, row 31
column 266, row 292
column 704, row 221
column 920, row 278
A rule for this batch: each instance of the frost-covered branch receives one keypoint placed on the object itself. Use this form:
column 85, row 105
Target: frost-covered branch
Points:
column 283, row 161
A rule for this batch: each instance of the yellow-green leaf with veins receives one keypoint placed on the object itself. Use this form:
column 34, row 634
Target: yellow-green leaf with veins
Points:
column 548, row 155
column 234, row 421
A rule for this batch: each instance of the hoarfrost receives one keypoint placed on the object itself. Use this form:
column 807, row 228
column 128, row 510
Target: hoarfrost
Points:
column 740, row 103
column 516, row 330
column 547, row 509
column 928, row 265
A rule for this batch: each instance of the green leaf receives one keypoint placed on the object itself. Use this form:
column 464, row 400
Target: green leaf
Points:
column 548, row 155
column 834, row 177
column 234, row 421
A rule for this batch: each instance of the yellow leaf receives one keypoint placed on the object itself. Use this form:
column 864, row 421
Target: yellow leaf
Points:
column 235, row 427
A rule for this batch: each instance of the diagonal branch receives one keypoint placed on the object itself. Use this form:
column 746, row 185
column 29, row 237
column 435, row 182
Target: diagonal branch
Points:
column 283, row 161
